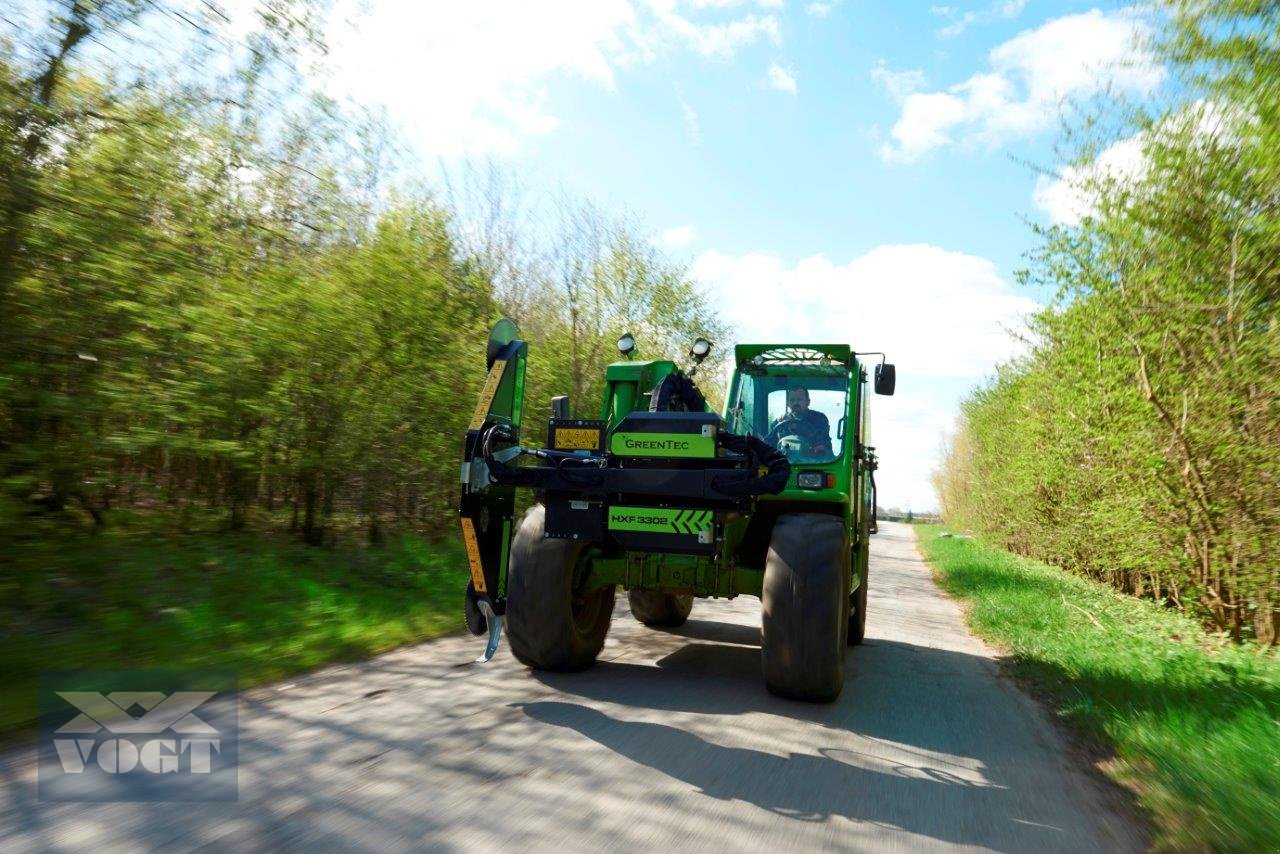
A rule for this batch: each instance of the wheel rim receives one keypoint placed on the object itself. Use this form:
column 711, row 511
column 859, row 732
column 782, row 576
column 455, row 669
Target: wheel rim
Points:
column 585, row 610
column 584, row 606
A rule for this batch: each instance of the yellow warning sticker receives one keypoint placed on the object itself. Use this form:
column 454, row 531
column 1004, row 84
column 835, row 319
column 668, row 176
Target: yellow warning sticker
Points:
column 473, row 555
column 577, row 439
column 486, row 396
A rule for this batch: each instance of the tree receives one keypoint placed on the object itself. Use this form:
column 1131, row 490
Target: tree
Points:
column 1140, row 440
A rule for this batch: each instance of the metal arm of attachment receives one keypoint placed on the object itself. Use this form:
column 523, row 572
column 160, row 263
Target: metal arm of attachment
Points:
column 494, row 622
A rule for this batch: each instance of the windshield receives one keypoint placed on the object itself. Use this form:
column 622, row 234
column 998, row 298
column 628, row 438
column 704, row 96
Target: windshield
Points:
column 803, row 416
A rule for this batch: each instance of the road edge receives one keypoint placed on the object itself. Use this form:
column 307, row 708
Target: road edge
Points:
column 1081, row 758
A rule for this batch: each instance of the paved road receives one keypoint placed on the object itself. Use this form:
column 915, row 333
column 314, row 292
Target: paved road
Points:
column 670, row 742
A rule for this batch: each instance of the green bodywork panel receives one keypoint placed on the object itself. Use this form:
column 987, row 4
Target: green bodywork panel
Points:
column 625, row 384
column 659, row 520
column 663, row 445
column 745, row 353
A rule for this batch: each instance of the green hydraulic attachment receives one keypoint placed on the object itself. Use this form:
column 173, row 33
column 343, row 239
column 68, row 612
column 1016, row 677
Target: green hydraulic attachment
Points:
column 486, row 509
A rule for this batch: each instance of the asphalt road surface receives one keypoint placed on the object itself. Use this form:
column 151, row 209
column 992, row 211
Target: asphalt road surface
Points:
column 670, row 742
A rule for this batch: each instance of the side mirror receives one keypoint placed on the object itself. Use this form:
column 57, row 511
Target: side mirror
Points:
column 886, row 378
column 626, row 344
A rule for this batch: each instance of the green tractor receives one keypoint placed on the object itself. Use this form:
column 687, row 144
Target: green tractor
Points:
column 672, row 502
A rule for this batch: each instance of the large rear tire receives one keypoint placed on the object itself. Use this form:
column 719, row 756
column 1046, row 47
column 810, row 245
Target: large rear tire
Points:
column 806, row 607
column 550, row 626
column 655, row 608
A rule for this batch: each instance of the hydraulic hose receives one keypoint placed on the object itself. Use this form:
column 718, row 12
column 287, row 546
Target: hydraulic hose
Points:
column 677, row 393
column 759, row 454
column 510, row 475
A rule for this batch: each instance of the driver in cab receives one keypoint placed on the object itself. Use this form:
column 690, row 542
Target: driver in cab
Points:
column 811, row 426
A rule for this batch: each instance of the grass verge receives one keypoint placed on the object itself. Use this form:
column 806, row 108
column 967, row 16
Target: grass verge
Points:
column 262, row 606
column 1193, row 723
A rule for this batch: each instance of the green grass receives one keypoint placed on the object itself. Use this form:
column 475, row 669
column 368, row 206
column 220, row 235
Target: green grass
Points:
column 1193, row 722
column 263, row 606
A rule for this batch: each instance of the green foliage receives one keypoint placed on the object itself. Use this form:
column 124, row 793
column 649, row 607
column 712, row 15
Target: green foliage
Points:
column 1191, row 719
column 1139, row 442
column 222, row 320
column 215, row 297
column 264, row 606
column 602, row 281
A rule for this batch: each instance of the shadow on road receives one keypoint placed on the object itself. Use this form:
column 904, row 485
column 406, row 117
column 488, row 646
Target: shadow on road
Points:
column 397, row 752
column 711, row 630
column 901, row 692
column 909, row 743
column 808, row 787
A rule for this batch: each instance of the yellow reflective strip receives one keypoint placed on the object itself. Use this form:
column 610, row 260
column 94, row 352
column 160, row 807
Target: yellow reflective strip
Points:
column 577, row 439
column 473, row 555
column 486, row 396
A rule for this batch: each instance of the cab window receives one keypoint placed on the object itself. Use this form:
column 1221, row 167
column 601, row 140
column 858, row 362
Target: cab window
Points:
column 829, row 402
column 759, row 403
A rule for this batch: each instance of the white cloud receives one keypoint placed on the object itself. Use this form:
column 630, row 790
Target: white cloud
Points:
column 1073, row 194
column 906, row 431
column 729, row 4
column 941, row 316
column 923, row 126
column 819, row 9
column 1030, row 75
column 944, row 313
column 474, row 73
column 1069, row 198
column 715, row 40
column 958, row 25
column 691, row 122
column 473, row 78
column 899, row 84
column 723, row 40
column 961, row 21
column 680, row 235
column 782, row 79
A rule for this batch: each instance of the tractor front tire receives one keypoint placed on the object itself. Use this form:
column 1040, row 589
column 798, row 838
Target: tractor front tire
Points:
column 858, row 617
column 805, row 622
column 655, row 608
column 550, row 625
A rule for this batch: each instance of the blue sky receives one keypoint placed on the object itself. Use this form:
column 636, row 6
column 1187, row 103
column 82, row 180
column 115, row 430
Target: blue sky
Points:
column 847, row 171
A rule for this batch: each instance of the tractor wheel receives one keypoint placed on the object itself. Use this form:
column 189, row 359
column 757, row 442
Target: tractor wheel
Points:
column 858, row 619
column 471, row 611
column 654, row 608
column 806, row 607
column 551, row 627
